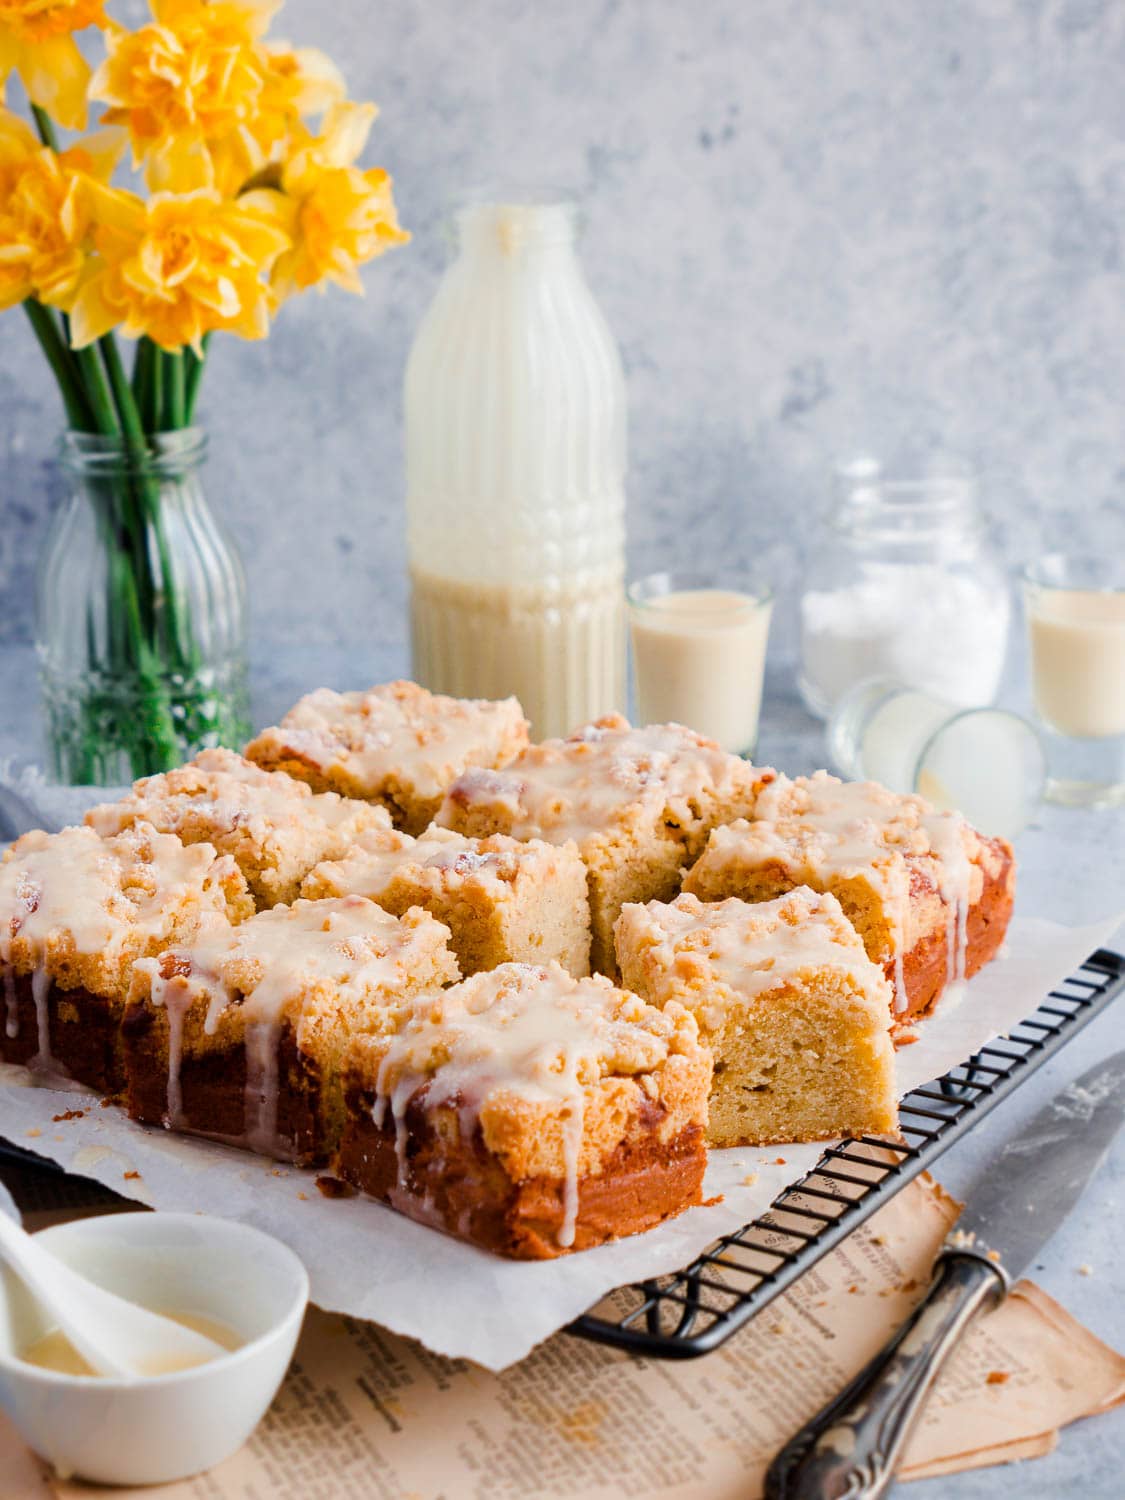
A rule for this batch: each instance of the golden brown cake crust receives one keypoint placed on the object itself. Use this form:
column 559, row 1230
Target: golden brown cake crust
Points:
column 535, row 1085
column 638, row 802
column 272, row 826
column 502, row 899
column 929, row 896
column 276, row 1001
column 397, row 745
column 642, row 1183
column 82, row 908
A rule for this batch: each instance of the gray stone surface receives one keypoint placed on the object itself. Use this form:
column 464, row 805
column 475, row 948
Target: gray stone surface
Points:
column 1072, row 867
column 814, row 228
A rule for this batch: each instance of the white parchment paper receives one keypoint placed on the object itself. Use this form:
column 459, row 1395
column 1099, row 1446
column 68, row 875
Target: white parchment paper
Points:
column 366, row 1260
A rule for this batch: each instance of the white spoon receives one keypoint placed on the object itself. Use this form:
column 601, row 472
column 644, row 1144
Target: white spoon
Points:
column 115, row 1337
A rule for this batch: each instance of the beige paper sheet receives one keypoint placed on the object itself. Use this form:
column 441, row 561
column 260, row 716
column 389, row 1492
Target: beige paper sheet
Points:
column 367, row 1261
column 364, row 1413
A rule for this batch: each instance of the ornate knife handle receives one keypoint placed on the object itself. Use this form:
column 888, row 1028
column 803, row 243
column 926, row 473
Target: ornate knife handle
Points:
column 850, row 1449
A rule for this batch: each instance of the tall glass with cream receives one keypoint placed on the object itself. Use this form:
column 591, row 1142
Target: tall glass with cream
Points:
column 515, row 466
column 699, row 653
column 1075, row 608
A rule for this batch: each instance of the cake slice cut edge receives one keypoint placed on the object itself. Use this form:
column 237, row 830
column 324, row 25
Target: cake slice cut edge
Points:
column 796, row 1015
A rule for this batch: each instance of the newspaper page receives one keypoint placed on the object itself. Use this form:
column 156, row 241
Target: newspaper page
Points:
column 364, row 1413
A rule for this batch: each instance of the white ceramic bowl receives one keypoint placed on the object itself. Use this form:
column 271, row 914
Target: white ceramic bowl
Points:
column 168, row 1426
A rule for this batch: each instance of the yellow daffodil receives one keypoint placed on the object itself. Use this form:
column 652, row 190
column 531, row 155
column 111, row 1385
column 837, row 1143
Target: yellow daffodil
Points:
column 299, row 81
column 176, row 267
column 189, row 89
column 337, row 215
column 46, row 212
column 37, row 42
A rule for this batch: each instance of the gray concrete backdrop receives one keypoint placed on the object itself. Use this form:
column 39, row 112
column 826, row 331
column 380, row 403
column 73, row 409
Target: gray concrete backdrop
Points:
column 815, row 228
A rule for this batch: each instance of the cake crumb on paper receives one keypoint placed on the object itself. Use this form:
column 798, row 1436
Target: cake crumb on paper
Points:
column 750, row 1179
column 997, row 1377
column 131, row 1176
column 1085, row 1269
column 34, row 1131
column 332, row 1187
column 68, row 1114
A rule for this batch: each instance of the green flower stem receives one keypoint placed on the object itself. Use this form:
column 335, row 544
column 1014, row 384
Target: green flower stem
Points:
column 174, row 399
column 148, row 487
column 97, row 393
column 142, row 375
column 132, row 428
column 78, row 413
column 196, row 364
column 154, row 420
column 45, row 126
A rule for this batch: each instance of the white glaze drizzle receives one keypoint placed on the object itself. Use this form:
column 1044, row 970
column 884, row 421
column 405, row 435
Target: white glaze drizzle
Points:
column 750, row 949
column 399, row 729
column 265, row 966
column 11, row 1005
column 574, row 788
column 438, row 860
column 947, row 834
column 105, row 897
column 221, row 794
column 40, row 990
column 533, row 1033
column 834, row 830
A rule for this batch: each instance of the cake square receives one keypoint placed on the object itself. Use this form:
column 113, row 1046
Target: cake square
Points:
column 397, row 745
column 929, row 896
column 237, row 1034
column 75, row 912
column 530, row 1112
column 796, row 1015
column 503, row 901
column 272, row 826
column 639, row 803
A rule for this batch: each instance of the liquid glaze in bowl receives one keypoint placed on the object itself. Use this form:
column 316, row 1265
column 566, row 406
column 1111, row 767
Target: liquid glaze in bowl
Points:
column 166, row 1427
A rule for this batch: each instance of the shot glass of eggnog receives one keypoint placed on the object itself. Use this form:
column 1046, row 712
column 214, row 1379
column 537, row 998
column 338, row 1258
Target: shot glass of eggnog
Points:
column 1075, row 610
column 699, row 653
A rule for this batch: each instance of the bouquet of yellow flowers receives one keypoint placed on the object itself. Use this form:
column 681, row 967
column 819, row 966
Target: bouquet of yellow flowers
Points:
column 249, row 149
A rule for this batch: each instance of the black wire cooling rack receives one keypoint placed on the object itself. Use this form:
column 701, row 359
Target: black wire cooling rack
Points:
column 696, row 1309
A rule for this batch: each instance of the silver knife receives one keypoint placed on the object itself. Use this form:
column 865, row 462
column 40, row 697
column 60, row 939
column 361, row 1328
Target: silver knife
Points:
column 850, row 1449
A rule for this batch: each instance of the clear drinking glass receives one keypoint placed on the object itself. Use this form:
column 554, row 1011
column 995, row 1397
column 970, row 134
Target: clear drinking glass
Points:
column 1075, row 609
column 984, row 762
column 140, row 613
column 699, row 652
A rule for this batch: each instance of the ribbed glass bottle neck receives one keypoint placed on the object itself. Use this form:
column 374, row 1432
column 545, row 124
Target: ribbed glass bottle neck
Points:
column 509, row 231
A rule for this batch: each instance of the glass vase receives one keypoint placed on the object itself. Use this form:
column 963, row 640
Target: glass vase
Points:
column 140, row 613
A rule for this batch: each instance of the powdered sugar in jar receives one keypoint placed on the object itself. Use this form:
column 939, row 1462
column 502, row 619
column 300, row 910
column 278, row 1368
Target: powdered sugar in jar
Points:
column 902, row 585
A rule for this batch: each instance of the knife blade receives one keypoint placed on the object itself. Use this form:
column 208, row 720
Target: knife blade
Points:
column 852, row 1446
column 1023, row 1196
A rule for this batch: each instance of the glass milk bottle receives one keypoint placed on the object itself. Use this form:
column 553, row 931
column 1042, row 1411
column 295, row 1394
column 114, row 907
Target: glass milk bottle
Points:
column 515, row 464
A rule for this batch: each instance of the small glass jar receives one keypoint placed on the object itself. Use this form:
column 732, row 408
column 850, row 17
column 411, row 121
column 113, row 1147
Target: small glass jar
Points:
column 902, row 584
column 140, row 613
